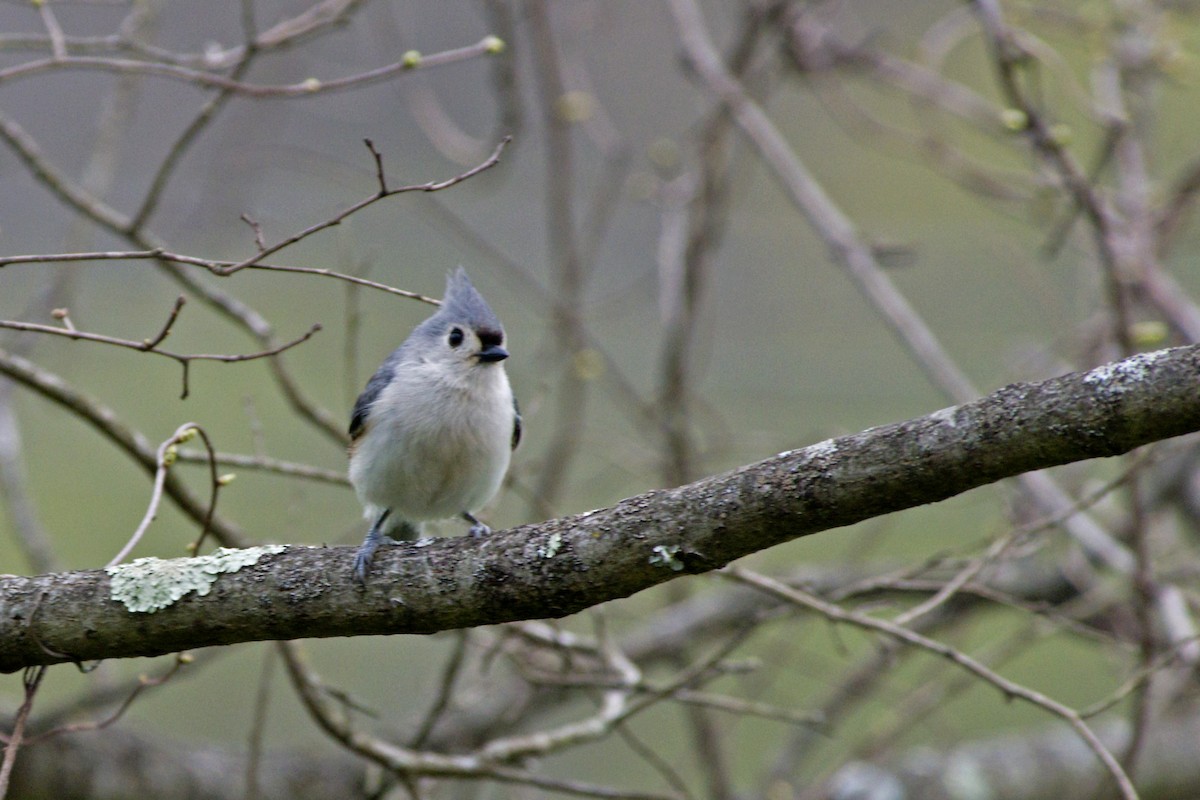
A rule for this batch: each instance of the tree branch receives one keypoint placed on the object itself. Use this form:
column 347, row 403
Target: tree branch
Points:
column 1055, row 755
column 559, row 567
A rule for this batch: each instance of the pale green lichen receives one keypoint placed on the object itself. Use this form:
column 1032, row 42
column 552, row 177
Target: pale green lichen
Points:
column 551, row 546
column 666, row 555
column 151, row 584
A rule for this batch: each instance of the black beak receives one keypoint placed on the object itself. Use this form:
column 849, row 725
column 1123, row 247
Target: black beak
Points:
column 492, row 353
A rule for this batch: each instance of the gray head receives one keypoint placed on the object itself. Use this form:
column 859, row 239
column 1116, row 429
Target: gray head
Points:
column 465, row 330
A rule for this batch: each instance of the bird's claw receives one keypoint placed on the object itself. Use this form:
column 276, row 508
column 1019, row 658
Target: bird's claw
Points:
column 362, row 560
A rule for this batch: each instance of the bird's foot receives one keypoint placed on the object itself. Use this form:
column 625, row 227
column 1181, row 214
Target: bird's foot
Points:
column 478, row 529
column 362, row 560
column 366, row 554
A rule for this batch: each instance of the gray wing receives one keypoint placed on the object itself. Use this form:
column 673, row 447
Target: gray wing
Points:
column 516, row 437
column 362, row 406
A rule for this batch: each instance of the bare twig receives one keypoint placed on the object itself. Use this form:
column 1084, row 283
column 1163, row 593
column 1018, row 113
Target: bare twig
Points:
column 449, row 680
column 306, row 88
column 1010, row 689
column 215, row 266
column 31, row 680
column 165, row 457
column 384, row 192
column 151, row 345
column 318, row 18
column 143, row 683
column 333, row 719
column 1012, row 58
column 290, row 469
column 54, row 31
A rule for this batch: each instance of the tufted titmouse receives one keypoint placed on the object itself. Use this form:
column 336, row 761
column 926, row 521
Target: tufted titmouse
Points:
column 432, row 433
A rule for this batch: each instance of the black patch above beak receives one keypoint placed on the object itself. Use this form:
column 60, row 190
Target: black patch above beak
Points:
column 493, row 352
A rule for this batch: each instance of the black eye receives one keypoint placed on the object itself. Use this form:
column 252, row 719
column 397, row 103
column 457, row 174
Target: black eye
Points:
column 456, row 337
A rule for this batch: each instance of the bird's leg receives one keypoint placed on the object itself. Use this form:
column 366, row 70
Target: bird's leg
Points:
column 478, row 529
column 402, row 531
column 366, row 550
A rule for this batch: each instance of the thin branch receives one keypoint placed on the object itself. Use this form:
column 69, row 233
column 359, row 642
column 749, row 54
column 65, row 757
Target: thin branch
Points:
column 1012, row 58
column 384, row 192
column 305, row 88
column 810, row 198
column 332, row 718
column 215, row 266
column 291, row 469
column 316, row 19
column 151, row 345
column 53, row 30
column 165, row 457
column 1011, row 689
column 31, row 681
column 446, row 686
column 154, row 342
column 143, row 683
column 29, row 152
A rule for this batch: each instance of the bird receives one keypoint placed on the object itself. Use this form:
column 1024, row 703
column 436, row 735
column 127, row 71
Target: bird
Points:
column 432, row 434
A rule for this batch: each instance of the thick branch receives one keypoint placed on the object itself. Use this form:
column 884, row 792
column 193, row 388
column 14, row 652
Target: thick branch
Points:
column 563, row 566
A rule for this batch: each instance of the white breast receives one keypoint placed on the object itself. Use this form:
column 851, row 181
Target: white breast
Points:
column 434, row 449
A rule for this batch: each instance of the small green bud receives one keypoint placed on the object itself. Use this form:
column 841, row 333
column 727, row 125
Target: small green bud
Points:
column 493, row 45
column 411, row 59
column 1014, row 119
